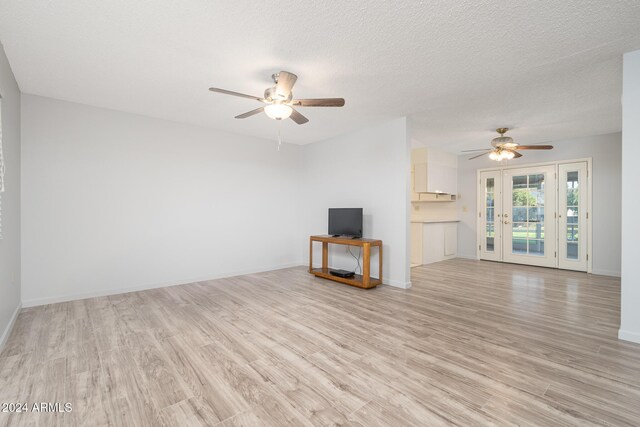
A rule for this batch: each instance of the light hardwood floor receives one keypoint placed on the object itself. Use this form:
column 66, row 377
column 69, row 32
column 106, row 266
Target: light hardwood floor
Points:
column 472, row 343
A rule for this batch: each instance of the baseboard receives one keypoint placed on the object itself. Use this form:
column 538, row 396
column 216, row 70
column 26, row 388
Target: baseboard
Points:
column 594, row 271
column 473, row 257
column 629, row 336
column 9, row 328
column 397, row 283
column 84, row 295
column 606, row 272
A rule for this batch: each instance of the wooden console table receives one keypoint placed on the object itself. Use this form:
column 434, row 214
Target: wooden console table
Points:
column 362, row 281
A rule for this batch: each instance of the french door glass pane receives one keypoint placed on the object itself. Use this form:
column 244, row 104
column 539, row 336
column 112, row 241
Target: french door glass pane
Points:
column 572, row 250
column 536, row 247
column 536, row 214
column 490, row 214
column 573, row 202
column 536, row 230
column 519, row 214
column 519, row 246
column 528, row 214
column 520, row 181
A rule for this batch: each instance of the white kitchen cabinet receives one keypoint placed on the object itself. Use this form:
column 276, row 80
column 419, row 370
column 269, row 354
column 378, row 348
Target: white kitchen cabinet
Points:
column 416, row 243
column 434, row 171
column 415, row 197
column 439, row 241
column 432, row 243
column 450, row 239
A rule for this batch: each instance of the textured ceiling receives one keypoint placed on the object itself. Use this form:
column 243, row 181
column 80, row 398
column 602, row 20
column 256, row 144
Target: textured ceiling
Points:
column 551, row 69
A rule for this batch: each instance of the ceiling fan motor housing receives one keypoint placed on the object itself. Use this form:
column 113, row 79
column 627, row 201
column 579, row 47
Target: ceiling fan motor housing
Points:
column 272, row 95
column 503, row 141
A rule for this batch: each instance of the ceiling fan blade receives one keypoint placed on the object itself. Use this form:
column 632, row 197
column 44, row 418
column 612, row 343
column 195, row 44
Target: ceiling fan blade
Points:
column 322, row 102
column 515, row 154
column 250, row 113
column 286, row 80
column 229, row 92
column 479, row 155
column 534, row 147
column 473, row 151
column 298, row 118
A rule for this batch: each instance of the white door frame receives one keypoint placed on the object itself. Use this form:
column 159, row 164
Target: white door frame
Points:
column 496, row 253
column 501, row 169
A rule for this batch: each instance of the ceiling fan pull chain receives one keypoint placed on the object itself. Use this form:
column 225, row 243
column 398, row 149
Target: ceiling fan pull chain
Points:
column 279, row 136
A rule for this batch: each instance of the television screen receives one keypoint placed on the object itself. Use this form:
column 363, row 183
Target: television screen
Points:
column 345, row 222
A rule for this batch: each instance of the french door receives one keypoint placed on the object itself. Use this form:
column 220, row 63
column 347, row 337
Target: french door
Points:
column 491, row 231
column 528, row 216
column 535, row 215
column 572, row 216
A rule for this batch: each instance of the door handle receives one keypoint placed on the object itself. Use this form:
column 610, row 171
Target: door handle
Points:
column 507, row 222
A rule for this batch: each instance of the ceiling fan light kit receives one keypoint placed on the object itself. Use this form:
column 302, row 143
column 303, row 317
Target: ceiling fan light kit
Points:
column 500, row 155
column 279, row 100
column 278, row 111
column 504, row 148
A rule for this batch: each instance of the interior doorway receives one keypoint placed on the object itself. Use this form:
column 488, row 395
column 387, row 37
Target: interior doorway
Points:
column 536, row 215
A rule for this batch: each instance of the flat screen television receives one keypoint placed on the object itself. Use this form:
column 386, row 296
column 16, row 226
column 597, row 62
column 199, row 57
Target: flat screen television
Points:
column 345, row 222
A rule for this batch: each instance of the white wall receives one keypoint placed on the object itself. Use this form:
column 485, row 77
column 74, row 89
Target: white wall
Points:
column 606, row 153
column 114, row 201
column 369, row 168
column 421, row 211
column 630, row 298
column 10, row 244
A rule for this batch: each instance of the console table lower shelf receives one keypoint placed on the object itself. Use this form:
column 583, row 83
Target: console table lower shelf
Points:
column 361, row 281
column 356, row 280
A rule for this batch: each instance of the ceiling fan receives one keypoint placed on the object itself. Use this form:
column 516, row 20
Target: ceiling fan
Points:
column 504, row 148
column 279, row 100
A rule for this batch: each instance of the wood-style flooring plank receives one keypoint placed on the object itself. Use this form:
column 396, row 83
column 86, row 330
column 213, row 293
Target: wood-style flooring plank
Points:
column 471, row 343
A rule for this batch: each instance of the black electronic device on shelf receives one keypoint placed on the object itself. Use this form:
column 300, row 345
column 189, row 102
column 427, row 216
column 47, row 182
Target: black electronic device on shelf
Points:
column 342, row 273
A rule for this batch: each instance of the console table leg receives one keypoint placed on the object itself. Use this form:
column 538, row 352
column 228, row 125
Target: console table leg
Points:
column 325, row 255
column 366, row 265
column 310, row 255
column 380, row 264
